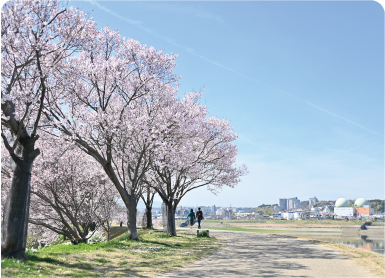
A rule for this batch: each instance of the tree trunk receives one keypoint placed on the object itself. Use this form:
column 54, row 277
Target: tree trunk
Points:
column 16, row 209
column 131, row 218
column 108, row 230
column 171, row 229
column 149, row 217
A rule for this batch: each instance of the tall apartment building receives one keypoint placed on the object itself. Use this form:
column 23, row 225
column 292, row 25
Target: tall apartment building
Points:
column 297, row 204
column 294, row 203
column 312, row 201
column 282, row 203
column 291, row 203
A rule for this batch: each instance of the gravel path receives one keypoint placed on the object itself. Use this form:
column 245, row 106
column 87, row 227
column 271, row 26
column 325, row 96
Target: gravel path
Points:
column 253, row 255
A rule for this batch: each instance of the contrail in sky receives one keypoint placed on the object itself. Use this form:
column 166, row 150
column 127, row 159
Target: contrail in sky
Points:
column 248, row 141
column 347, row 120
column 140, row 25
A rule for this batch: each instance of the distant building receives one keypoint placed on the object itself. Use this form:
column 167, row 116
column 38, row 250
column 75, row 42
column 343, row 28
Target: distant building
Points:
column 220, row 212
column 314, row 209
column 288, row 204
column 282, row 203
column 299, row 214
column 344, row 211
column 313, row 201
column 297, row 204
column 365, row 211
column 342, row 208
column 361, row 208
column 326, row 210
column 213, row 208
column 287, row 215
column 294, row 203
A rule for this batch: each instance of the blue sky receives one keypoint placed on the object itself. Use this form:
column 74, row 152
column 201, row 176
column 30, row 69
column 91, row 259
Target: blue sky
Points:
column 301, row 82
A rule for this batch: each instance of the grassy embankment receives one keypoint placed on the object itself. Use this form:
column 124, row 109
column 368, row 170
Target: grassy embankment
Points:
column 155, row 253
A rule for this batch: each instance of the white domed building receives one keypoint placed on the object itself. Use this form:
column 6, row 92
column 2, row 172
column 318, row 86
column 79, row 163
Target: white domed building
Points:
column 342, row 208
column 363, row 208
column 342, row 202
column 361, row 202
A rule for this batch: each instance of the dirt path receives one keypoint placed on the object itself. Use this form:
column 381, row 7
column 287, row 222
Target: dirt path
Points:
column 253, row 255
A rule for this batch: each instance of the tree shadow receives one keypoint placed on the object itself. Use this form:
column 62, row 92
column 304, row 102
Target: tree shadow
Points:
column 83, row 269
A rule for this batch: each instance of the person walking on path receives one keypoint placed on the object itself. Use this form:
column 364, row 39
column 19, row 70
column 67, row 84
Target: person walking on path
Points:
column 199, row 217
column 191, row 217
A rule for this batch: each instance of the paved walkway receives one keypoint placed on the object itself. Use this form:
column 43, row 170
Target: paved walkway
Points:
column 253, row 255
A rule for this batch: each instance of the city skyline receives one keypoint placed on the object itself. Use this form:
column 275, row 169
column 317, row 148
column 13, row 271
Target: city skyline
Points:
column 157, row 204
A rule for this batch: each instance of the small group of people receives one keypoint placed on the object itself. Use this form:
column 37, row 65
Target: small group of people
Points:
column 192, row 216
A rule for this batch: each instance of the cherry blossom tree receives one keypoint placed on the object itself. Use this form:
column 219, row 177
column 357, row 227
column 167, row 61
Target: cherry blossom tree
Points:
column 112, row 96
column 115, row 100
column 36, row 37
column 109, row 209
column 200, row 153
column 70, row 194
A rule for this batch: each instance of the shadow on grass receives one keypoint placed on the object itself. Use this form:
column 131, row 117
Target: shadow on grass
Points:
column 126, row 238
column 83, row 269
column 34, row 258
column 50, row 261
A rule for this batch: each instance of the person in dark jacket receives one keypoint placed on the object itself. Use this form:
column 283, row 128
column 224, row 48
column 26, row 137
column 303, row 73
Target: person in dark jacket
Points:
column 199, row 217
column 191, row 218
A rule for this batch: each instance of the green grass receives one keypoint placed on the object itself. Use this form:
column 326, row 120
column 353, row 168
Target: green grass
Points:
column 152, row 255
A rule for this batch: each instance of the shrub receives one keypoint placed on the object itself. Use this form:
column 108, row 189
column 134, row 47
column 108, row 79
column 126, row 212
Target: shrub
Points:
column 203, row 234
